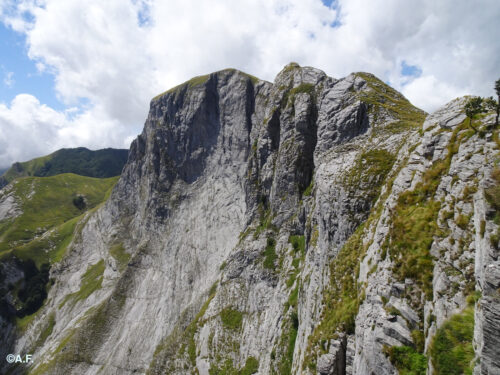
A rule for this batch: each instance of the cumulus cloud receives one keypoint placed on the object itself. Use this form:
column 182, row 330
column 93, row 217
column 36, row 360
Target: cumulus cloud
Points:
column 114, row 55
column 29, row 129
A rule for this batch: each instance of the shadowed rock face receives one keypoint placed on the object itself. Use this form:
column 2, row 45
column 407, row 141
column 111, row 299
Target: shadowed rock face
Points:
column 260, row 229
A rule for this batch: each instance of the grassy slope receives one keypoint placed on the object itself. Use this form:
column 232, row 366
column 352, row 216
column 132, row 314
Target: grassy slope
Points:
column 49, row 217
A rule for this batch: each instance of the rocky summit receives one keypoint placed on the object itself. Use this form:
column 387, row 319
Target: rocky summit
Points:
column 308, row 226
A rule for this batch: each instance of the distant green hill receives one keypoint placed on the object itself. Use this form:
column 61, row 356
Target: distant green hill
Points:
column 103, row 163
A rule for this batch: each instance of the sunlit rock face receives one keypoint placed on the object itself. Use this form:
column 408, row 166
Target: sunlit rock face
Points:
column 308, row 226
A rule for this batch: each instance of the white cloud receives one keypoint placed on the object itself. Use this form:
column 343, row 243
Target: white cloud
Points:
column 29, row 129
column 117, row 54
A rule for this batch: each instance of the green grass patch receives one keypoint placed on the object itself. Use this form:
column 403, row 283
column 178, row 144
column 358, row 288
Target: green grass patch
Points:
column 265, row 222
column 382, row 95
column 181, row 341
column 451, row 349
column 411, row 235
column 90, row 282
column 407, row 360
column 414, row 223
column 309, row 189
column 288, row 337
column 342, row 296
column 251, row 366
column 118, row 252
column 227, row 368
column 270, row 255
column 50, row 248
column 298, row 243
column 47, row 330
column 231, row 319
column 369, row 172
column 493, row 194
column 462, row 221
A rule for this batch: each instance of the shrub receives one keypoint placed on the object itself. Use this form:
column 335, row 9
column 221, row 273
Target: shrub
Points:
column 462, row 221
column 231, row 319
column 451, row 349
column 79, row 202
column 251, row 366
column 270, row 253
column 407, row 360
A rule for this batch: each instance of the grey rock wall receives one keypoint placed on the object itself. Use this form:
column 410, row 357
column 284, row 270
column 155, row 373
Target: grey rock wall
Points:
column 237, row 198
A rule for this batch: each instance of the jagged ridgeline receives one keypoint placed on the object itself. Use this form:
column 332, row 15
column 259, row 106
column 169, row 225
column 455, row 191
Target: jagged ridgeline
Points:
column 308, row 226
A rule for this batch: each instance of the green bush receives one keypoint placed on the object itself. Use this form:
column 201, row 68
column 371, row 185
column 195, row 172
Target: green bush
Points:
column 462, row 221
column 270, row 253
column 251, row 366
column 407, row 360
column 231, row 319
column 298, row 243
column 79, row 202
column 451, row 349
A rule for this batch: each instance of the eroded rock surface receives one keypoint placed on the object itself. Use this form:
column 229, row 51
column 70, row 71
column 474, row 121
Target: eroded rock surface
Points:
column 263, row 227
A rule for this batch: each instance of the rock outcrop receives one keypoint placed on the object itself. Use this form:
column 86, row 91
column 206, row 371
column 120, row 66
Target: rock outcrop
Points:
column 306, row 226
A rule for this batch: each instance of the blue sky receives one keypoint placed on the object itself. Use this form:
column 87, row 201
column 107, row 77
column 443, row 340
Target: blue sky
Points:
column 23, row 73
column 100, row 62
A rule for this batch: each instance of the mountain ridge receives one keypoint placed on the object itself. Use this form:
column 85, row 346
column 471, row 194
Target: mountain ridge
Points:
column 276, row 227
column 102, row 163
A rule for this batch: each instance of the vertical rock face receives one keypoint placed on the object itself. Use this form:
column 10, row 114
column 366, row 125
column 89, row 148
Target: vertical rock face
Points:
column 306, row 226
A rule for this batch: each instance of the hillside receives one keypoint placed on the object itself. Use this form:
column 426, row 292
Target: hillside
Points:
column 38, row 220
column 312, row 226
column 101, row 164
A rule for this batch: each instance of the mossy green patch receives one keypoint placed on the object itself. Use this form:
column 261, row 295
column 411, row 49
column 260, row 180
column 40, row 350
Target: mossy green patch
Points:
column 407, row 360
column 451, row 349
column 309, row 189
column 227, row 368
column 493, row 194
column 382, row 95
column 231, row 318
column 47, row 330
column 270, row 253
column 286, row 345
column 49, row 248
column 118, row 252
column 251, row 366
column 341, row 297
column 411, row 236
column 90, row 282
column 414, row 222
column 298, row 243
column 369, row 172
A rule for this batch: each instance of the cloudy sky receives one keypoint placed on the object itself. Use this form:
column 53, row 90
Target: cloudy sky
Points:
column 82, row 73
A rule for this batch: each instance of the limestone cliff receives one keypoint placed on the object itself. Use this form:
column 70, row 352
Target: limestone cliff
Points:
column 306, row 226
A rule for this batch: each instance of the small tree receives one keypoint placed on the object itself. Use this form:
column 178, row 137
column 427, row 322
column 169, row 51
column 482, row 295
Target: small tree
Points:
column 497, row 90
column 489, row 104
column 473, row 107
